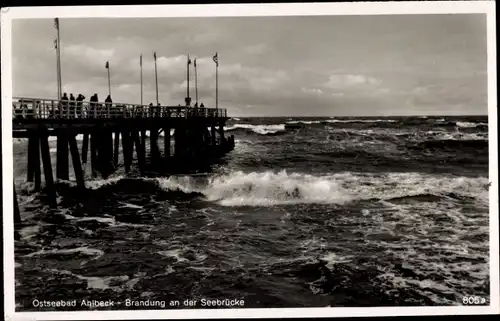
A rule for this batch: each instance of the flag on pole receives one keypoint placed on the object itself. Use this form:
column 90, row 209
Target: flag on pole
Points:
column 107, row 64
column 55, row 43
column 56, row 23
column 216, row 59
column 194, row 63
column 189, row 61
column 154, row 55
column 140, row 61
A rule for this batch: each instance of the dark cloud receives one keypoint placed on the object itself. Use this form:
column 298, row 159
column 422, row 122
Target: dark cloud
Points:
column 321, row 65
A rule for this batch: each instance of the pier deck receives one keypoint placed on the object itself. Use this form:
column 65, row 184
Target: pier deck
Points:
column 198, row 134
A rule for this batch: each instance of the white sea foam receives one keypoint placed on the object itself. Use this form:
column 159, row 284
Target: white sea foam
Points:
column 274, row 188
column 332, row 258
column 96, row 184
column 82, row 250
column 259, row 129
column 361, row 121
column 469, row 124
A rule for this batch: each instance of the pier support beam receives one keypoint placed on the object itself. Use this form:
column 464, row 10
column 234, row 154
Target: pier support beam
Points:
column 93, row 153
column 139, row 151
column 116, row 148
column 17, row 212
column 75, row 157
column 127, row 149
column 47, row 169
column 34, row 161
column 221, row 135
column 85, row 148
column 166, row 141
column 143, row 142
column 213, row 135
column 153, row 139
column 62, row 165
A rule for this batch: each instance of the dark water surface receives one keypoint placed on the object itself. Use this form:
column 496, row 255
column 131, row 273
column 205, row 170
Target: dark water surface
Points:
column 337, row 212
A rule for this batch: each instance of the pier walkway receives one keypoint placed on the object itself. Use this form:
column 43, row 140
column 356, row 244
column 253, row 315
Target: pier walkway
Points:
column 198, row 135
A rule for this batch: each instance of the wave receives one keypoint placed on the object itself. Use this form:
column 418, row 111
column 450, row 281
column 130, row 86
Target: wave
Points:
column 259, row 129
column 361, row 121
column 271, row 188
column 325, row 121
column 464, row 124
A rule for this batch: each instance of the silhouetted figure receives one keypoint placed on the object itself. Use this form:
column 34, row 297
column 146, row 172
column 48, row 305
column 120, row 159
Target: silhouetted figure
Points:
column 150, row 110
column 158, row 110
column 108, row 102
column 93, row 106
column 72, row 106
column 79, row 105
column 64, row 104
column 202, row 106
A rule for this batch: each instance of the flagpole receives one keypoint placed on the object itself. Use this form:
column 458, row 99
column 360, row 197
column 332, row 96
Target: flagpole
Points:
column 196, row 81
column 109, row 81
column 57, row 72
column 58, row 51
column 156, row 77
column 217, row 82
column 141, row 80
column 188, row 62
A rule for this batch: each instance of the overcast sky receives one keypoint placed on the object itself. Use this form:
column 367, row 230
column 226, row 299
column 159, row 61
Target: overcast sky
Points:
column 269, row 66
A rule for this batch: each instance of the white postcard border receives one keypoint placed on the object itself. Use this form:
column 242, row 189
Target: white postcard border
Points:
column 236, row 10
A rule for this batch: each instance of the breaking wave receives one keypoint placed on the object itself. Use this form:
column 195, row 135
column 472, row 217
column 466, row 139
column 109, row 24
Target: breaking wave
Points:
column 271, row 188
column 259, row 129
column 464, row 124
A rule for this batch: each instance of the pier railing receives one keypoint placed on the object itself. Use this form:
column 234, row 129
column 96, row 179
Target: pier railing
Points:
column 33, row 108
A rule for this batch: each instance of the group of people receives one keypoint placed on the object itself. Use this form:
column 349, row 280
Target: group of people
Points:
column 73, row 107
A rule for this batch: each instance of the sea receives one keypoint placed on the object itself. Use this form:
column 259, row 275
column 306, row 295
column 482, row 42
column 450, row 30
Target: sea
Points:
column 327, row 212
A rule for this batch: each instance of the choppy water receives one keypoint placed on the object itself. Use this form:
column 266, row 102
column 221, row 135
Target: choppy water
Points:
column 339, row 212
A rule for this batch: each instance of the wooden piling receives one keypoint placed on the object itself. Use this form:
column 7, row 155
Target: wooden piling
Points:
column 213, row 134
column 47, row 169
column 17, row 212
column 31, row 155
column 62, row 165
column 166, row 141
column 127, row 150
column 143, row 142
column 85, row 147
column 93, row 153
column 36, row 163
column 116, row 148
column 139, row 151
column 153, row 140
column 75, row 157
column 221, row 135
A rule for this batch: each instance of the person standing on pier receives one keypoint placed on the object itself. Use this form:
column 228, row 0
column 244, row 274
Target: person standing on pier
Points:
column 79, row 107
column 108, row 102
column 71, row 106
column 93, row 106
column 64, row 103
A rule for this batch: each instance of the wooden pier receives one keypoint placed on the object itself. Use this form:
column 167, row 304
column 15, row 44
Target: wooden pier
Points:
column 198, row 134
